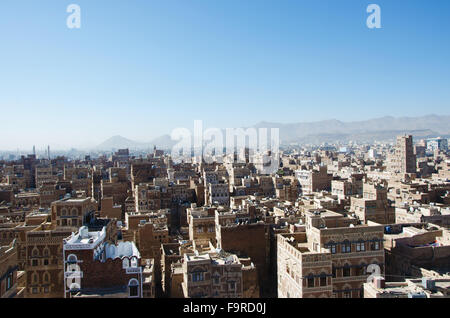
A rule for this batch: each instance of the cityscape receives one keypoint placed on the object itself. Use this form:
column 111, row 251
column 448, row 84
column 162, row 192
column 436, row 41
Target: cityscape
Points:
column 136, row 188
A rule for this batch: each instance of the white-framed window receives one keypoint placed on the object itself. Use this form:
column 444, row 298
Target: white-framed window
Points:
column 360, row 246
column 134, row 262
column 133, row 288
column 346, row 247
column 197, row 277
column 72, row 259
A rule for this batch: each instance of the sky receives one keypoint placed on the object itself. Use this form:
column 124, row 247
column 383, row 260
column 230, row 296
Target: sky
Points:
column 140, row 68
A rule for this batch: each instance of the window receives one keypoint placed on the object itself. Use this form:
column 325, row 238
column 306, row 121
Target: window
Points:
column 46, row 278
column 34, row 262
column 361, row 270
column 45, row 262
column 346, row 247
column 125, row 263
column 333, row 248
column 46, row 252
column 197, row 277
column 232, row 286
column 216, row 280
column 35, row 252
column 9, row 281
column 334, row 272
column 34, row 278
column 310, row 280
column 360, row 246
column 375, row 244
column 346, row 270
column 347, row 294
column 133, row 286
column 323, row 279
column 72, row 259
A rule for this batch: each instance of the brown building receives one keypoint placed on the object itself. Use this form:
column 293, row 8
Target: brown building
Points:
column 11, row 279
column 403, row 160
column 97, row 267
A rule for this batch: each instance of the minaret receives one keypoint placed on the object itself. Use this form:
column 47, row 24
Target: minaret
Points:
column 48, row 152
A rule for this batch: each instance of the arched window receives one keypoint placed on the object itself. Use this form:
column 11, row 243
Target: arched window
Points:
column 323, row 279
column 332, row 247
column 346, row 270
column 46, row 278
column 125, row 263
column 360, row 246
column 34, row 278
column 361, row 270
column 35, row 252
column 64, row 212
column 134, row 261
column 133, row 286
column 310, row 280
column 346, row 247
column 347, row 293
column 46, row 252
column 74, row 212
column 375, row 246
column 71, row 259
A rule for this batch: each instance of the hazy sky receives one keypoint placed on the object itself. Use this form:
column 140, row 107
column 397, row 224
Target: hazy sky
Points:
column 141, row 68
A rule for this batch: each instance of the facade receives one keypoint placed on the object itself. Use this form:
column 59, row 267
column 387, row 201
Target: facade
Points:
column 403, row 160
column 212, row 275
column 314, row 180
column 11, row 279
column 97, row 267
column 351, row 249
column 437, row 144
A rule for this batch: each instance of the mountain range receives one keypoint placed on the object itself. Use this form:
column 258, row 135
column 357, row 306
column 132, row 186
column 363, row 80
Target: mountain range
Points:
column 378, row 129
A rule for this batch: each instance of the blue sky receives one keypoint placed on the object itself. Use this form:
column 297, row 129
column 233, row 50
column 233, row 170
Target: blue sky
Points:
column 140, row 68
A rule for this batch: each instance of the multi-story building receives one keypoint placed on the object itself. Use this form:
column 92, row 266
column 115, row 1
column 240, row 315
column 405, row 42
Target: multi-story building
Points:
column 314, row 180
column 11, row 279
column 403, row 160
column 212, row 275
column 71, row 213
column 374, row 205
column 96, row 267
column 437, row 144
column 351, row 248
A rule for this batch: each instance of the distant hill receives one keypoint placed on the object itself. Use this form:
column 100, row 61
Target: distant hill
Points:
column 119, row 142
column 379, row 129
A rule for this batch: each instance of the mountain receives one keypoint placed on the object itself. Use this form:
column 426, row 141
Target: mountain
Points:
column 119, row 142
column 381, row 129
column 378, row 129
